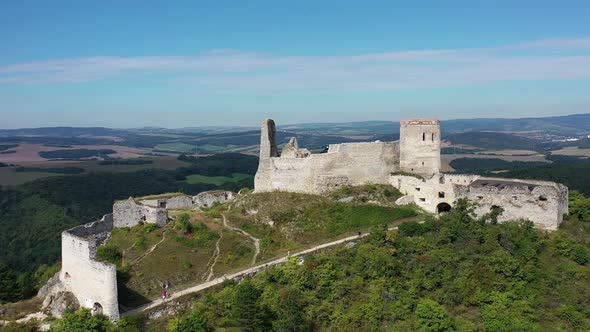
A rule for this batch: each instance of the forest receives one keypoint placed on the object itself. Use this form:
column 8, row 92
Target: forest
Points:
column 458, row 273
column 34, row 214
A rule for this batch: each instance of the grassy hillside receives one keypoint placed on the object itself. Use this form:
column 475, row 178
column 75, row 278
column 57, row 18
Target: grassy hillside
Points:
column 456, row 273
column 183, row 253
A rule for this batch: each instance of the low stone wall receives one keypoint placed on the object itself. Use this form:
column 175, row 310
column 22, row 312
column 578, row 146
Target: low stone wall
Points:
column 128, row 214
column 93, row 283
column 210, row 198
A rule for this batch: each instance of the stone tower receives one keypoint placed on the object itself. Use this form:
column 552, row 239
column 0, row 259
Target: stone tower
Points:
column 268, row 140
column 268, row 149
column 420, row 146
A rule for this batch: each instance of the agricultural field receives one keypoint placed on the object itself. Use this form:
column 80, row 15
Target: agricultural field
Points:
column 216, row 180
column 572, row 151
column 30, row 152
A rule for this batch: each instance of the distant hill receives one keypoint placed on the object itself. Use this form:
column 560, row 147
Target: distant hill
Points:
column 568, row 124
column 493, row 141
column 62, row 131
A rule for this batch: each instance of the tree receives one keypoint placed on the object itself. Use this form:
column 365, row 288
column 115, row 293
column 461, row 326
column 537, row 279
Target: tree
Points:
column 246, row 310
column 82, row 321
column 433, row 317
column 8, row 287
column 192, row 322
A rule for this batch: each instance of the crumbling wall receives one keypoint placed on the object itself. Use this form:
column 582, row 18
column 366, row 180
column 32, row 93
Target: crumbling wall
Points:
column 128, row 214
column 343, row 164
column 210, row 198
column 93, row 283
column 170, row 203
column 542, row 202
column 539, row 201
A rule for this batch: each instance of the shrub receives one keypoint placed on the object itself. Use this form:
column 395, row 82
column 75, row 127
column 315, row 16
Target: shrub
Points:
column 109, row 253
column 184, row 223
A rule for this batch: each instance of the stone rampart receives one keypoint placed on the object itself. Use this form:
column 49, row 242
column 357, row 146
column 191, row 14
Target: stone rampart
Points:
column 129, row 213
column 93, row 283
column 343, row 164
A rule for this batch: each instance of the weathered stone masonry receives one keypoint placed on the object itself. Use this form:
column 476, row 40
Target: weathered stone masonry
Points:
column 411, row 165
column 94, row 283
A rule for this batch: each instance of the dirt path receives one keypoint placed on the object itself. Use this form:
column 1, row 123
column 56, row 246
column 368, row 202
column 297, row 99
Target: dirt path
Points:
column 255, row 240
column 137, row 260
column 246, row 272
column 214, row 259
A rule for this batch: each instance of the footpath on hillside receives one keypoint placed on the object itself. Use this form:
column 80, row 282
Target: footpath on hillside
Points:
column 246, row 272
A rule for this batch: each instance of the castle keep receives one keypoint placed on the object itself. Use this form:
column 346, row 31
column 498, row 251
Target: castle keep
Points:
column 412, row 165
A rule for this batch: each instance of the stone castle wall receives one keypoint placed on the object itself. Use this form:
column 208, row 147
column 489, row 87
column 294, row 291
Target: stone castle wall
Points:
column 412, row 165
column 93, row 283
column 129, row 213
column 297, row 170
column 542, row 202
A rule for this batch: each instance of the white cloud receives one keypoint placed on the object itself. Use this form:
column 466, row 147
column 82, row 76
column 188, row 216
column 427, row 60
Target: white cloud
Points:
column 230, row 71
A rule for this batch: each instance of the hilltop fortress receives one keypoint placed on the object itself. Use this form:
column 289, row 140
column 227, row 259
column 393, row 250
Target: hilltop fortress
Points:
column 411, row 165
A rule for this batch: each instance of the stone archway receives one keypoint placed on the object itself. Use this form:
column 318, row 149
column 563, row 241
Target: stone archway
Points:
column 97, row 308
column 443, row 208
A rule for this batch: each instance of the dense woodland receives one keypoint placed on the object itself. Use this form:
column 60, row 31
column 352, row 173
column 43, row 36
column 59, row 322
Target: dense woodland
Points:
column 459, row 273
column 33, row 215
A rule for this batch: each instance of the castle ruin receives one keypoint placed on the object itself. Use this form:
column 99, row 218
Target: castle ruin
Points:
column 412, row 165
column 94, row 283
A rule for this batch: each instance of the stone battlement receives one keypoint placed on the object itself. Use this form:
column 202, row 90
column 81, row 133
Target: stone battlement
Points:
column 418, row 122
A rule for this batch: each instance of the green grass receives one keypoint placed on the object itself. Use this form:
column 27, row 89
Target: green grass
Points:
column 216, row 180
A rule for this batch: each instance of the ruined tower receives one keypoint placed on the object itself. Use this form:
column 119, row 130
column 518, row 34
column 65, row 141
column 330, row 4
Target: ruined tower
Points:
column 268, row 149
column 420, row 146
column 268, row 140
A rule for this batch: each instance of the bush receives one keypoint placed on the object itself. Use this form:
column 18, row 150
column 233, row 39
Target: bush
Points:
column 192, row 322
column 109, row 253
column 81, row 320
column 184, row 223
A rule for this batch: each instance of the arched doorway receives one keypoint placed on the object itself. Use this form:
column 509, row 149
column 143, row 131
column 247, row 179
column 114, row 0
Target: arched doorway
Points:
column 443, row 208
column 97, row 309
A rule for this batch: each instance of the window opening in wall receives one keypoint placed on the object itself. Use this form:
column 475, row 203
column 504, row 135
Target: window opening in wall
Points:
column 542, row 198
column 422, row 199
column 423, row 136
column 163, row 205
column 441, row 180
column 495, row 207
column 433, row 137
column 143, row 218
column 441, row 194
column 417, row 189
column 479, row 197
column 422, row 163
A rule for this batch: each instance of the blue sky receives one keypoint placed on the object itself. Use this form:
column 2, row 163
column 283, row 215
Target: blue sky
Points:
column 193, row 63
